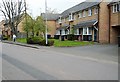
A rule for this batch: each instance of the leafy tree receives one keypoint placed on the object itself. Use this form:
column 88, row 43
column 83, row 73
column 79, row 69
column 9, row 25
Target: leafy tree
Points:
column 34, row 27
column 40, row 26
column 28, row 26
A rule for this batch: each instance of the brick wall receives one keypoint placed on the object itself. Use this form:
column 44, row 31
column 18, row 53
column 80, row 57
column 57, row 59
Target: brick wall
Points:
column 104, row 23
column 114, row 29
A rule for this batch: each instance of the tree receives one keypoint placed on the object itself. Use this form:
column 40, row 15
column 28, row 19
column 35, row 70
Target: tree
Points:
column 34, row 27
column 40, row 26
column 28, row 26
column 13, row 12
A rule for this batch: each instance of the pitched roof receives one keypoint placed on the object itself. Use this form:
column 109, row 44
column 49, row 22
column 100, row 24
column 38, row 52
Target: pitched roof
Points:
column 113, row 1
column 86, row 23
column 50, row 16
column 81, row 6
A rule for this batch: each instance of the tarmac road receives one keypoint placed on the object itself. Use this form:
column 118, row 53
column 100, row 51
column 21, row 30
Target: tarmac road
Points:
column 24, row 63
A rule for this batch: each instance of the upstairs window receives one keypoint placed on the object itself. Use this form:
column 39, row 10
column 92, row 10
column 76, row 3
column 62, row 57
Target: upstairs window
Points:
column 116, row 8
column 80, row 15
column 60, row 20
column 89, row 12
column 71, row 17
column 84, row 13
column 96, row 10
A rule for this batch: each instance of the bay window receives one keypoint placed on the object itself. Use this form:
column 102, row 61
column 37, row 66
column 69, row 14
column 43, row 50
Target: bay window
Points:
column 87, row 31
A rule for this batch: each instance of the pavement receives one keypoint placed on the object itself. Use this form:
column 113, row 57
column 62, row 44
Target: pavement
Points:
column 20, row 44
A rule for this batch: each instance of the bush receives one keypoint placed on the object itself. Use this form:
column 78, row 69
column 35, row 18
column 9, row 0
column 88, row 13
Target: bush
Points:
column 34, row 40
column 71, row 37
column 4, row 38
column 43, row 42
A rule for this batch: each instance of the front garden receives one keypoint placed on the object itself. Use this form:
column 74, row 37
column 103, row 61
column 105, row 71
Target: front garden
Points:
column 54, row 42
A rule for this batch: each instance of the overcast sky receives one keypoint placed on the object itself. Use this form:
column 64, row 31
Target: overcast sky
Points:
column 35, row 7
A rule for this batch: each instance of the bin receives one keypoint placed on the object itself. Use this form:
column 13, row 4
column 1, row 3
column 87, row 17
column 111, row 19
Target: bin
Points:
column 62, row 38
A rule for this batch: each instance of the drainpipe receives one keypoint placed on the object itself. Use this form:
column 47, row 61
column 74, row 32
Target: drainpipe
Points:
column 109, row 21
column 98, row 21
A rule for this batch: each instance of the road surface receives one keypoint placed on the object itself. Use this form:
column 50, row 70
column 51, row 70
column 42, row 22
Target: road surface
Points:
column 23, row 63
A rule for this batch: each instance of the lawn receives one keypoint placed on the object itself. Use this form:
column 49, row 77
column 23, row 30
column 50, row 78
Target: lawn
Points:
column 21, row 40
column 58, row 43
column 67, row 43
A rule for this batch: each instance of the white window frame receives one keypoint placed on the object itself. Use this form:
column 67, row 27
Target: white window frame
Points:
column 90, row 12
column 84, row 13
column 87, row 29
column 96, row 10
column 60, row 19
column 80, row 15
column 119, row 7
column 115, row 8
column 71, row 17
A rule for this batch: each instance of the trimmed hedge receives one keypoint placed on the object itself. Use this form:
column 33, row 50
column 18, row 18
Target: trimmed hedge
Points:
column 34, row 40
column 70, row 37
column 43, row 42
column 40, row 41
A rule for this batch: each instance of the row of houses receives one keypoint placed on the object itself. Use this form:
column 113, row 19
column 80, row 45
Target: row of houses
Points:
column 97, row 21
column 91, row 21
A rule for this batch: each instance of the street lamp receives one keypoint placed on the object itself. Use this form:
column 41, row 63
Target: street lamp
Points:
column 46, row 21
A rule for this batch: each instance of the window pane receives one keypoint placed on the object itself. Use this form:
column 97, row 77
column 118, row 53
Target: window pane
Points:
column 85, row 31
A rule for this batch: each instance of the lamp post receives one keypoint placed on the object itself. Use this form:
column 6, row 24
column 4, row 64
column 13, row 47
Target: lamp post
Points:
column 46, row 21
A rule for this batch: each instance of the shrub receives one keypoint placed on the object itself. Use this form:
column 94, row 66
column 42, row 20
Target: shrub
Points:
column 71, row 37
column 34, row 40
column 5, row 38
column 43, row 42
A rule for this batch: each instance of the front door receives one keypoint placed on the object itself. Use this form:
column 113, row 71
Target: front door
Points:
column 95, row 35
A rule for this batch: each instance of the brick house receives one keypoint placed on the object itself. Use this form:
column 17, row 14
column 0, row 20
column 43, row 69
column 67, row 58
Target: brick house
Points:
column 114, row 22
column 91, row 21
column 51, row 23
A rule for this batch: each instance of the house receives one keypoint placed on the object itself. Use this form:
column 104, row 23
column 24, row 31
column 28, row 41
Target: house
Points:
column 51, row 23
column 114, row 22
column 6, row 30
column 91, row 21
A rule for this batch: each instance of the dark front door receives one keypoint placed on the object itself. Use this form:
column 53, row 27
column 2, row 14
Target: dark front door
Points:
column 95, row 35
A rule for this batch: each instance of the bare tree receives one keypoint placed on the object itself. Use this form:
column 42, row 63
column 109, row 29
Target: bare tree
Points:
column 13, row 12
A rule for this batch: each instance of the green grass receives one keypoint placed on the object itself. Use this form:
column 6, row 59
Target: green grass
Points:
column 59, row 43
column 21, row 40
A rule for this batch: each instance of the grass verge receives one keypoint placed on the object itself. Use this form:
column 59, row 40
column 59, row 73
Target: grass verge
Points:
column 67, row 43
column 58, row 43
column 22, row 40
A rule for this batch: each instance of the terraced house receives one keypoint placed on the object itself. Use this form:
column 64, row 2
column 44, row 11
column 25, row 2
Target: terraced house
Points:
column 91, row 21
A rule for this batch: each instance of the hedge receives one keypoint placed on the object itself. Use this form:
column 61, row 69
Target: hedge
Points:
column 40, row 41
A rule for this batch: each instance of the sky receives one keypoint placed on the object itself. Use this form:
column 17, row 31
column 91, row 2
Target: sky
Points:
column 35, row 7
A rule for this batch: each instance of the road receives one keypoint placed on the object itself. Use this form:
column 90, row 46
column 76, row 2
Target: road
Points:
column 23, row 63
